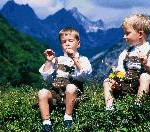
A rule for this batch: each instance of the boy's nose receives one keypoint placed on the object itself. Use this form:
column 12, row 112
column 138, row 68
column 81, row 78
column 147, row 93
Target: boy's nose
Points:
column 124, row 36
column 67, row 43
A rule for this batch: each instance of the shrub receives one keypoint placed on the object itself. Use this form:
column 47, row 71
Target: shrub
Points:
column 20, row 113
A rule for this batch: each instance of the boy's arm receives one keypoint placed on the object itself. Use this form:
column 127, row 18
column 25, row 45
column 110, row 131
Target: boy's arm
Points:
column 121, row 58
column 71, row 54
column 47, row 66
column 145, row 61
column 77, row 63
column 47, row 69
column 146, row 64
column 83, row 68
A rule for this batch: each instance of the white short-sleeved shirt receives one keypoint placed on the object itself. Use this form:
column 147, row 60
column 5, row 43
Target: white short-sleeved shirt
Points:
column 81, row 75
column 144, row 48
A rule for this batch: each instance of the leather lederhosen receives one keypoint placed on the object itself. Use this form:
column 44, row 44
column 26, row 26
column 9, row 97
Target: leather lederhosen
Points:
column 59, row 83
column 131, row 81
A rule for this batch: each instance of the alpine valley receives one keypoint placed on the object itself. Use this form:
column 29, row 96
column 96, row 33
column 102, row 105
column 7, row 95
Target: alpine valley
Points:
column 97, row 42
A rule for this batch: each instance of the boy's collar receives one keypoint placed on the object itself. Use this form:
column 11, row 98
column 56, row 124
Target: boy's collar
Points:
column 144, row 44
column 76, row 54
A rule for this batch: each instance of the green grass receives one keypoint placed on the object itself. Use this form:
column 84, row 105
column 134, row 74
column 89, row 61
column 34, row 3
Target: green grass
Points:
column 19, row 112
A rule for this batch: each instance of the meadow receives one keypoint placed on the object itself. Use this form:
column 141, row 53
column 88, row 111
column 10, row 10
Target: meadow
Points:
column 19, row 112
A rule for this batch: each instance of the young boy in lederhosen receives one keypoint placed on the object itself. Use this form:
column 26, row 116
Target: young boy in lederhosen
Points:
column 66, row 74
column 134, row 61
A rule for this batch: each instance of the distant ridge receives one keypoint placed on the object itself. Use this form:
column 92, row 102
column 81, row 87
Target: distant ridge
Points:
column 94, row 38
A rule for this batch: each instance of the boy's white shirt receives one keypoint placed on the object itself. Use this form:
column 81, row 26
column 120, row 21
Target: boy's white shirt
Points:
column 144, row 48
column 81, row 75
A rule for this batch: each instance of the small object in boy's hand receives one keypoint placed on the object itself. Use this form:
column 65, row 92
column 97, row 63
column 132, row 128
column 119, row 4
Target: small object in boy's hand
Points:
column 50, row 52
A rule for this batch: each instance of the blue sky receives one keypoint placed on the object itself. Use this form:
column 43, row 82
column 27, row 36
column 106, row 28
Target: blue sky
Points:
column 108, row 10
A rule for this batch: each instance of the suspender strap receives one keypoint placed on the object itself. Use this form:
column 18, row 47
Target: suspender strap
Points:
column 148, row 54
column 128, row 52
column 56, row 60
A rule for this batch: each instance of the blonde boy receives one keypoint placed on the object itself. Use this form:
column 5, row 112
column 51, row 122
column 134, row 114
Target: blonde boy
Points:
column 80, row 68
column 136, row 30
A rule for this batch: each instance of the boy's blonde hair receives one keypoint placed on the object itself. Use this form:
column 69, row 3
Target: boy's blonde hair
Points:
column 139, row 22
column 67, row 31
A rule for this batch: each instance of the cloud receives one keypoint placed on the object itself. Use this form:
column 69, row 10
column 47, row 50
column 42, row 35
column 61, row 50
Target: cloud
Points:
column 84, row 6
column 2, row 3
column 95, row 10
column 122, row 3
column 108, row 10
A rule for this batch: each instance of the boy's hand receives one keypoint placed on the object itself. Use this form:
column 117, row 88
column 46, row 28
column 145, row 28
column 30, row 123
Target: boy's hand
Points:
column 70, row 53
column 49, row 54
column 142, row 57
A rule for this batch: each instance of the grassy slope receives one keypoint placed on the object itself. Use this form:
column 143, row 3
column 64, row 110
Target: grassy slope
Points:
column 19, row 112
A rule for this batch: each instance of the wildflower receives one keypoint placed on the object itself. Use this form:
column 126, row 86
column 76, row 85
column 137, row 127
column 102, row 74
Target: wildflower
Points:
column 117, row 75
column 111, row 75
column 120, row 74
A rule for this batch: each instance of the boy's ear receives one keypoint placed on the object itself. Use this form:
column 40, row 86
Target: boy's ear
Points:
column 141, row 33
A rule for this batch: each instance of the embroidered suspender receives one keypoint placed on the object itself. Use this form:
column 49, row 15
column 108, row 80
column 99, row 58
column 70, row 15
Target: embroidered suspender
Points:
column 59, row 83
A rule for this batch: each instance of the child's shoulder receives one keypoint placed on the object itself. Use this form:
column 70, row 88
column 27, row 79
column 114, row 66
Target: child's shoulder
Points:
column 128, row 49
column 62, row 59
column 124, row 51
column 83, row 57
column 147, row 45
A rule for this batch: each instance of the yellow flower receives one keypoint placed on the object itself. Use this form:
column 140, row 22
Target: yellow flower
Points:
column 120, row 74
column 111, row 75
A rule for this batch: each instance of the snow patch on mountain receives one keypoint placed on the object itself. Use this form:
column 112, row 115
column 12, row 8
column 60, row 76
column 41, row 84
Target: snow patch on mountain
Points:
column 88, row 25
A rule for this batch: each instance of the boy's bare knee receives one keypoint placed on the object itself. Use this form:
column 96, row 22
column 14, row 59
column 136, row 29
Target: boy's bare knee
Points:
column 145, row 76
column 71, row 88
column 106, row 81
column 44, row 93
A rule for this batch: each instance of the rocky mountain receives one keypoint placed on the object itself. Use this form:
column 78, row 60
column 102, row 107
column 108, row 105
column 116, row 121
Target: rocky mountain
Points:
column 103, row 61
column 23, row 18
column 94, row 38
column 88, row 25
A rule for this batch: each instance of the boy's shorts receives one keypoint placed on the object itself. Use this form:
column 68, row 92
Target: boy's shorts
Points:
column 58, row 98
column 127, row 86
column 121, row 87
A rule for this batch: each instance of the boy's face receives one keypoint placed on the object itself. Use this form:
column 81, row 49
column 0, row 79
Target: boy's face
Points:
column 131, row 36
column 69, row 42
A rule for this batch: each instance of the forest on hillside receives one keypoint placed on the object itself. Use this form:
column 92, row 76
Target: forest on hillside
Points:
column 20, row 56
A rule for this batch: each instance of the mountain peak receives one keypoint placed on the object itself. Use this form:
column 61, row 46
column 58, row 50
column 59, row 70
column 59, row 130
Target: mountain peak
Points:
column 76, row 12
column 62, row 10
column 74, row 9
column 13, row 9
column 88, row 25
column 12, row 3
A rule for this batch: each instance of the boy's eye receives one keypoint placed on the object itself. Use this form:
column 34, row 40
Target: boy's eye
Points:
column 127, row 33
column 70, row 40
column 63, row 41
